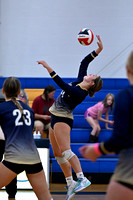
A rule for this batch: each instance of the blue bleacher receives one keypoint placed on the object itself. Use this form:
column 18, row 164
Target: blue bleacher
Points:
column 102, row 165
column 81, row 129
column 79, row 121
column 80, row 135
column 99, row 96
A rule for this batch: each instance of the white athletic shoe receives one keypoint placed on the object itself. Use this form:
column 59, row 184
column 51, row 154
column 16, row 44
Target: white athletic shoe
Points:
column 70, row 190
column 81, row 184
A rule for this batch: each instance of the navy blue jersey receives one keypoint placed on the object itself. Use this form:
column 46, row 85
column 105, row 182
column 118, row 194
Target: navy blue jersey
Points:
column 72, row 94
column 123, row 123
column 20, row 146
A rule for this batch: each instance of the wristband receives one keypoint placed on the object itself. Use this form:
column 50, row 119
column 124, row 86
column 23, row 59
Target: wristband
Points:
column 52, row 73
column 96, row 149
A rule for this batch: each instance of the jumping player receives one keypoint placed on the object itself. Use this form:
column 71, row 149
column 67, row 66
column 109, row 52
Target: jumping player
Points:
column 17, row 121
column 62, row 118
column 121, row 142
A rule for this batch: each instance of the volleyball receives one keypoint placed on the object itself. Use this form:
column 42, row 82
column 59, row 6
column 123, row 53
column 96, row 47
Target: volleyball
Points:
column 85, row 36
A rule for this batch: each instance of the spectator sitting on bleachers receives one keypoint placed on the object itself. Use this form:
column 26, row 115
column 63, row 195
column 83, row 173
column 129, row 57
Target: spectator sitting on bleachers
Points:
column 94, row 114
column 40, row 106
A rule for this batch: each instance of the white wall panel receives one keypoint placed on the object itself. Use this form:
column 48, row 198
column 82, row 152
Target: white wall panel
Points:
column 32, row 30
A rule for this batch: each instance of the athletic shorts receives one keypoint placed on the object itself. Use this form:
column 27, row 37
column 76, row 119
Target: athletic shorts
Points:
column 126, row 184
column 56, row 119
column 124, row 170
column 28, row 168
column 87, row 114
column 2, row 148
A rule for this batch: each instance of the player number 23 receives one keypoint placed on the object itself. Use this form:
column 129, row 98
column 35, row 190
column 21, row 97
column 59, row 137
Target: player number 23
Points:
column 18, row 120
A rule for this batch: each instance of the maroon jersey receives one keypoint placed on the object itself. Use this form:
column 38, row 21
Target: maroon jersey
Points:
column 41, row 106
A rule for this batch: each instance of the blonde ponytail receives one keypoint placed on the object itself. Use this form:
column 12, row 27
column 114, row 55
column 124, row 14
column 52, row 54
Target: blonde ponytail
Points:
column 18, row 106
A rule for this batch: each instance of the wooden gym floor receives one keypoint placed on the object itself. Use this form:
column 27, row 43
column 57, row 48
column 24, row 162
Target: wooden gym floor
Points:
column 93, row 192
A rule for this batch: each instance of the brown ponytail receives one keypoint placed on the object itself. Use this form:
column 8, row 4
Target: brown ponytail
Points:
column 18, row 105
column 98, row 84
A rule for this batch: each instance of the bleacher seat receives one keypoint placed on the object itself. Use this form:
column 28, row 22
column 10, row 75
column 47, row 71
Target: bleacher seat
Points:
column 81, row 129
column 79, row 121
column 99, row 96
column 81, row 135
column 102, row 165
column 32, row 94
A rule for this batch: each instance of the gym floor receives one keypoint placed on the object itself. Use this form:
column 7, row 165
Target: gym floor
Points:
column 93, row 192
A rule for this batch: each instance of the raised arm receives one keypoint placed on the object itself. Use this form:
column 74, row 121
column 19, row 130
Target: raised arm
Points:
column 46, row 66
column 85, row 62
column 64, row 86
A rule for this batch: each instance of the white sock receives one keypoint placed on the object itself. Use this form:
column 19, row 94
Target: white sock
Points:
column 69, row 180
column 80, row 175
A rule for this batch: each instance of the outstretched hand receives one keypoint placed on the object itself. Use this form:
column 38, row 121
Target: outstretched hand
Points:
column 100, row 45
column 87, row 151
column 45, row 65
column 111, row 122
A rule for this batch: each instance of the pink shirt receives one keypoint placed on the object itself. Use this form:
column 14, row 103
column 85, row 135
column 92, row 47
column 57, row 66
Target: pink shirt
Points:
column 93, row 111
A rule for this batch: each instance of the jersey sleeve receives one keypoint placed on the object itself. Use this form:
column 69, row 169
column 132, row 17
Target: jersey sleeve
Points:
column 64, row 86
column 85, row 63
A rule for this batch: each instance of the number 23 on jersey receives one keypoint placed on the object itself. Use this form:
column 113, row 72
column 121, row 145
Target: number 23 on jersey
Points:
column 18, row 120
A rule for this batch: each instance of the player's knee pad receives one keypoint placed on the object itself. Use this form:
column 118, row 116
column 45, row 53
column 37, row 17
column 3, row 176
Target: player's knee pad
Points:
column 61, row 160
column 68, row 154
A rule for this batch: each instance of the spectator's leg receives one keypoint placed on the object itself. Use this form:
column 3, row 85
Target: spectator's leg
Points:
column 39, row 126
column 46, row 130
column 2, row 148
column 11, row 189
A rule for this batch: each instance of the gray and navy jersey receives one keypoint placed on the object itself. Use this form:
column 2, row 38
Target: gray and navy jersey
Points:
column 72, row 94
column 19, row 143
column 122, row 137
